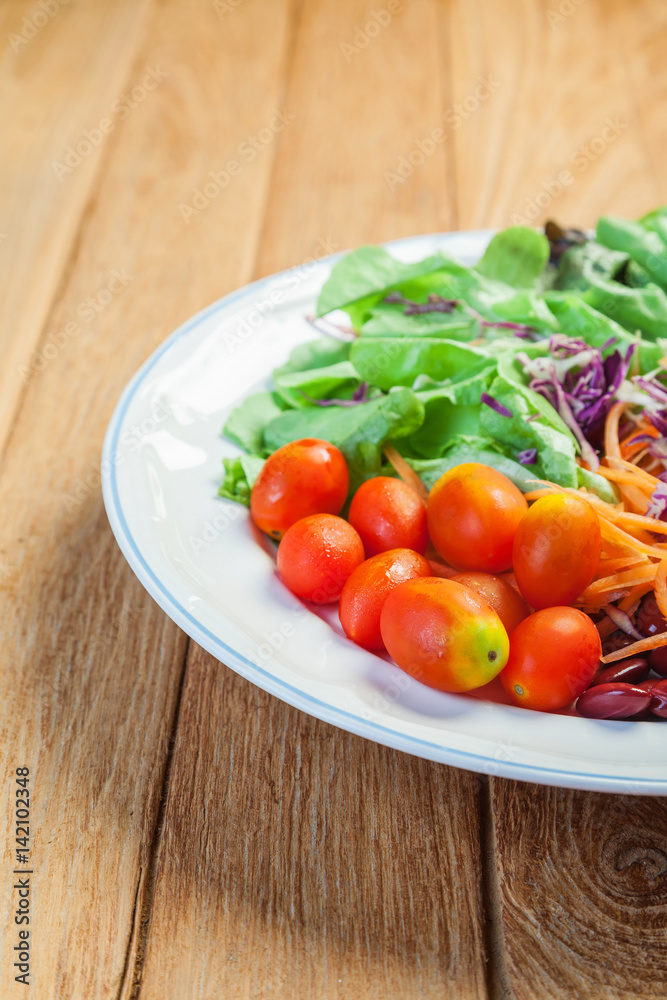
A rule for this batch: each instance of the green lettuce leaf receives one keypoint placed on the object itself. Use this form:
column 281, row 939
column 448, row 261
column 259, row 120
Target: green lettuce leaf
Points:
column 471, row 448
column 366, row 273
column 389, row 361
column 339, row 380
column 545, row 431
column 516, row 256
column 245, row 424
column 318, row 353
column 240, row 475
column 359, row 431
column 643, row 246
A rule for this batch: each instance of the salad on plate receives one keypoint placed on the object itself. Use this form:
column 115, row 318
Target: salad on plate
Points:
column 473, row 462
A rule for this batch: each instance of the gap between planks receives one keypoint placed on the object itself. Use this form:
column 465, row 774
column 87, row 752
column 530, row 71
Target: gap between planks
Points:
column 130, row 984
column 497, row 971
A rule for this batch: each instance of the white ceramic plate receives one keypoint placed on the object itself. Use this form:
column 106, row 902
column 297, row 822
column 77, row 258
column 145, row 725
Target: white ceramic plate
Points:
column 201, row 559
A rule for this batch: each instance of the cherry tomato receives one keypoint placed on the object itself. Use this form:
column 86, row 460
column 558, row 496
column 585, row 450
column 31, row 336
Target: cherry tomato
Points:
column 388, row 514
column 301, row 478
column 556, row 550
column 554, row 656
column 503, row 598
column 443, row 634
column 473, row 515
column 367, row 589
column 317, row 555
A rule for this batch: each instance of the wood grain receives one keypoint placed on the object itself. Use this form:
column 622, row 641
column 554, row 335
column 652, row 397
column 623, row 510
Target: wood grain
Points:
column 583, row 893
column 363, row 105
column 92, row 666
column 60, row 74
column 297, row 861
column 559, row 136
column 641, row 37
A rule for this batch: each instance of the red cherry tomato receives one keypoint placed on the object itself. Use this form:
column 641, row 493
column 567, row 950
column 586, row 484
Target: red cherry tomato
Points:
column 503, row 598
column 443, row 634
column 554, row 656
column 369, row 586
column 556, row 550
column 317, row 555
column 473, row 515
column 301, row 478
column 388, row 514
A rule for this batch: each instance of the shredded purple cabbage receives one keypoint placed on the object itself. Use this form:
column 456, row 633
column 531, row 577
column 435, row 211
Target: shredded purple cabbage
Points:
column 527, row 457
column 580, row 385
column 495, row 405
column 658, row 505
column 434, row 304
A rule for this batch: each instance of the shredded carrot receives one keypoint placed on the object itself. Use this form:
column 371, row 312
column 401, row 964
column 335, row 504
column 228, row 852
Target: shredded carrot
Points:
column 628, row 578
column 607, row 566
column 538, row 494
column 630, row 521
column 636, row 648
column 616, row 534
column 611, row 443
column 621, row 476
column 605, row 627
column 405, row 471
column 640, row 474
column 661, row 588
column 635, row 596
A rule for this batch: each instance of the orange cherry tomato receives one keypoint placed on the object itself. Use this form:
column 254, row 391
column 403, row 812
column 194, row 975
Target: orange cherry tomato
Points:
column 554, row 655
column 556, row 550
column 443, row 634
column 301, row 478
column 473, row 515
column 369, row 586
column 503, row 598
column 388, row 514
column 317, row 555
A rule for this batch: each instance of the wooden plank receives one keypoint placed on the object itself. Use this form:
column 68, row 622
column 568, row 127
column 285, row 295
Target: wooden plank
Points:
column 558, row 136
column 582, row 893
column 62, row 67
column 366, row 110
column 298, row 861
column 641, row 33
column 92, row 667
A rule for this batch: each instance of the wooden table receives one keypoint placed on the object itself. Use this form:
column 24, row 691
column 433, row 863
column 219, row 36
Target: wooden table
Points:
column 193, row 836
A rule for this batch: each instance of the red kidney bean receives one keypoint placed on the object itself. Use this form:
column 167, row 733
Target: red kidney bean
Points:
column 630, row 671
column 658, row 660
column 613, row 701
column 617, row 640
column 648, row 684
column 659, row 699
